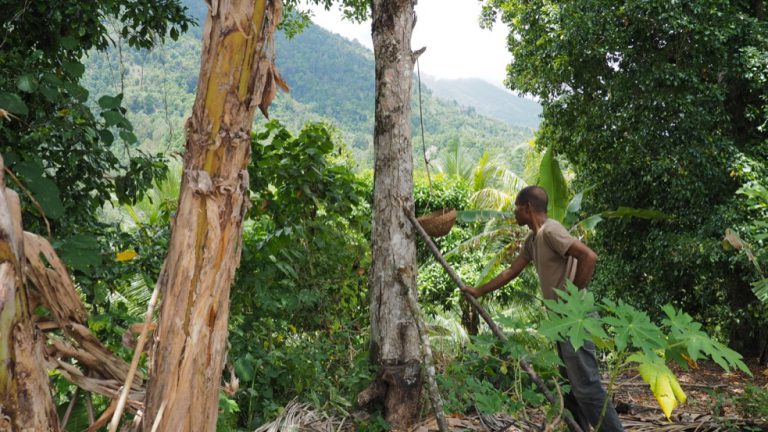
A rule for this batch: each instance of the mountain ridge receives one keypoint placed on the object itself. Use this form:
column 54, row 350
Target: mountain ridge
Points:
column 331, row 79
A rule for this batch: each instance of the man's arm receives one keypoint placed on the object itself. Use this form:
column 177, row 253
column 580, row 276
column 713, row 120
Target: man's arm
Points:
column 587, row 261
column 501, row 279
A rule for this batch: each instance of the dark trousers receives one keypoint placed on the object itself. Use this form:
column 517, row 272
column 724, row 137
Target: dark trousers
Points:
column 587, row 396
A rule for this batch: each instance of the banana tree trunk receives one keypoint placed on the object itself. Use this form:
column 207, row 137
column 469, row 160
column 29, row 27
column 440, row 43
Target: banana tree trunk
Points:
column 237, row 74
column 25, row 397
column 394, row 338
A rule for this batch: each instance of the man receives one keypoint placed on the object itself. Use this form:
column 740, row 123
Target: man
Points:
column 557, row 255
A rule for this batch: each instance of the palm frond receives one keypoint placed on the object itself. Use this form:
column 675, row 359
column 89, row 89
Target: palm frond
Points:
column 491, row 199
column 136, row 295
column 479, row 240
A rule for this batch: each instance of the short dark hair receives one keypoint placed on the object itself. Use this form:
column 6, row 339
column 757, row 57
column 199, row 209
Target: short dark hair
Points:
column 535, row 195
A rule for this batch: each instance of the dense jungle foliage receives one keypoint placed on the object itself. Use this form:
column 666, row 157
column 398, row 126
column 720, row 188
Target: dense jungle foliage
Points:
column 661, row 105
column 647, row 104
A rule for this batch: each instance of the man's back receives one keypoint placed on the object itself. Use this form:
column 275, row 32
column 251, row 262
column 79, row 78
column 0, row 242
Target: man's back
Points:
column 547, row 249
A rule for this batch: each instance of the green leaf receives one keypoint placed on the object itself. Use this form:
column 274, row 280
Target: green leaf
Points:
column 760, row 288
column 128, row 137
column 74, row 69
column 50, row 93
column 46, row 192
column 114, row 118
column 106, row 136
column 590, row 223
column 572, row 318
column 43, row 189
column 68, row 42
column 29, row 171
column 634, row 327
column 76, row 91
column 552, row 180
column 81, row 251
column 11, row 102
column 26, row 83
column 687, row 333
column 110, row 102
column 244, row 369
column 572, row 211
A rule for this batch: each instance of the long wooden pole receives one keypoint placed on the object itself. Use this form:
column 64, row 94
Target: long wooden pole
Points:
column 524, row 364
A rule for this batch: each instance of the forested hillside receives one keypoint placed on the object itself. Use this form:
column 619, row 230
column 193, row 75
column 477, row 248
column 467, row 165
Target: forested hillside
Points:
column 331, row 79
column 487, row 99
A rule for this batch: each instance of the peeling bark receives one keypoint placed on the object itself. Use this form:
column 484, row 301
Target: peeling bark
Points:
column 394, row 336
column 237, row 75
column 25, row 398
column 51, row 286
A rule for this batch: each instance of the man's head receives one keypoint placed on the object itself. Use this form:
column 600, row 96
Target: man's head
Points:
column 530, row 200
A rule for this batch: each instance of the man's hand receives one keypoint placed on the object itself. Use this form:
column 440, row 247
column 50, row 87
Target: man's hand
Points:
column 472, row 291
column 587, row 260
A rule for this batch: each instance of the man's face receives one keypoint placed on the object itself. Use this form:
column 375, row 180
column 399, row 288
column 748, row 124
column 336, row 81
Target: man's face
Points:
column 522, row 213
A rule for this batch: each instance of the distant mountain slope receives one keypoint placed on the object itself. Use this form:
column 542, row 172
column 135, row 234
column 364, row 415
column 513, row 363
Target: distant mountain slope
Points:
column 331, row 79
column 487, row 99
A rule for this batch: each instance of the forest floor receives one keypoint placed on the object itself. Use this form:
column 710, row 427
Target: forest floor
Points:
column 717, row 401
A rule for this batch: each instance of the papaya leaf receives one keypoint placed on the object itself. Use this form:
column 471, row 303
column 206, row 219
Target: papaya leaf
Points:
column 685, row 332
column 634, row 327
column 662, row 381
column 573, row 317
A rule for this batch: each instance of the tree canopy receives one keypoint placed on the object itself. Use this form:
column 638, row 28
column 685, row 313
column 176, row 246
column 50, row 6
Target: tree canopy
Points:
column 661, row 105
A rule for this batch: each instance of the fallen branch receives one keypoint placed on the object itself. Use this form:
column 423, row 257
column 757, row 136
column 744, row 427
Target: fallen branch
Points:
column 105, row 387
column 135, row 361
column 103, row 418
column 524, row 364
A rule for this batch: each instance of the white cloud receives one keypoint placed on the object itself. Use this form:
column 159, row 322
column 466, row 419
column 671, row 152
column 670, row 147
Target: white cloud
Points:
column 456, row 45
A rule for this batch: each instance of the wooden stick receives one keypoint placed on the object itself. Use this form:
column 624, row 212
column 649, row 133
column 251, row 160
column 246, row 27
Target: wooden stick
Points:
column 89, row 408
column 524, row 364
column 72, row 403
column 429, row 363
column 135, row 361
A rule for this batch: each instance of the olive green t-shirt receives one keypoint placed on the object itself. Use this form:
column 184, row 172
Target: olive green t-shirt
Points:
column 547, row 250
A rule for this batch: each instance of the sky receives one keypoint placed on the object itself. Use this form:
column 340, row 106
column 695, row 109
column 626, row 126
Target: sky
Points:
column 456, row 45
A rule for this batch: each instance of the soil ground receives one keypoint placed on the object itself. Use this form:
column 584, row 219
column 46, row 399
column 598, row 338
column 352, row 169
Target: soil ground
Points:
column 711, row 406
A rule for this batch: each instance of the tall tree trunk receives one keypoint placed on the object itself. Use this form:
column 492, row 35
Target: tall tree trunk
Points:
column 25, row 397
column 394, row 335
column 237, row 74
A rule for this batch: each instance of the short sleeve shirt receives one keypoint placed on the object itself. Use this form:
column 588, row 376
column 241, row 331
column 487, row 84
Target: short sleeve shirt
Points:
column 547, row 250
